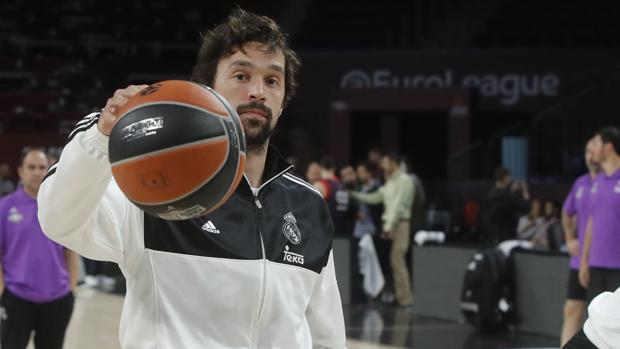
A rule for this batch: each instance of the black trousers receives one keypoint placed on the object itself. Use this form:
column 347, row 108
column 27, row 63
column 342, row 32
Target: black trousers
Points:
column 579, row 341
column 19, row 317
column 602, row 280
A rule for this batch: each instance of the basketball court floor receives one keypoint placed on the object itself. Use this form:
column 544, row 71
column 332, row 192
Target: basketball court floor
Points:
column 94, row 325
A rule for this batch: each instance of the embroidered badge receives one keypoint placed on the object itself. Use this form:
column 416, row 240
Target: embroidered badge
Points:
column 290, row 229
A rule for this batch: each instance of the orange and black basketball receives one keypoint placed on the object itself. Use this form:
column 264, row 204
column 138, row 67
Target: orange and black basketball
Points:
column 178, row 151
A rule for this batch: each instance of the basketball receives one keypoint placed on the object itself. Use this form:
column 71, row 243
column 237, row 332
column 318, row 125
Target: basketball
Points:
column 178, row 150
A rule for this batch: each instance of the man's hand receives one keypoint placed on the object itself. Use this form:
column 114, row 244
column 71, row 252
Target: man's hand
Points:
column 109, row 116
column 573, row 247
column 584, row 274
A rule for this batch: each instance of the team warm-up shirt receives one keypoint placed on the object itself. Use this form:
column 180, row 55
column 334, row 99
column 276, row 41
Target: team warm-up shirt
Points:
column 34, row 266
column 605, row 214
column 258, row 272
column 578, row 203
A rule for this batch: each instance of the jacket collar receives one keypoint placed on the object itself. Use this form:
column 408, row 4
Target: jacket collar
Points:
column 275, row 166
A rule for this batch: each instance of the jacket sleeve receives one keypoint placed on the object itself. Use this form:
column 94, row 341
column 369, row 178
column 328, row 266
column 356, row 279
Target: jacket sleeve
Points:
column 373, row 198
column 402, row 207
column 324, row 313
column 603, row 324
column 80, row 206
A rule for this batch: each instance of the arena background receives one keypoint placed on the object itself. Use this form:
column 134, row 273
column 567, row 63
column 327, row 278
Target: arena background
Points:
column 458, row 87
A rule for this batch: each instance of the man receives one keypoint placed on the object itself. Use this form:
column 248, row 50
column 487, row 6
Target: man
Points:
column 369, row 216
column 37, row 275
column 505, row 203
column 575, row 212
column 264, row 278
column 397, row 196
column 418, row 209
column 313, row 173
column 375, row 154
column 348, row 176
column 336, row 196
column 368, row 222
column 599, row 269
column 6, row 185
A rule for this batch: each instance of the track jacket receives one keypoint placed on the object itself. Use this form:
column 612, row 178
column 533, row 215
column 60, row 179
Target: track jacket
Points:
column 256, row 273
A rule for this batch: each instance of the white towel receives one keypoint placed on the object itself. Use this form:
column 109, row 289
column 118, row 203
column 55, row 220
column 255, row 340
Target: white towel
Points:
column 370, row 267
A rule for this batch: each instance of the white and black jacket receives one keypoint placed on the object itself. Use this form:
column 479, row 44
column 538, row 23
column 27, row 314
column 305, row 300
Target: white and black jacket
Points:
column 231, row 279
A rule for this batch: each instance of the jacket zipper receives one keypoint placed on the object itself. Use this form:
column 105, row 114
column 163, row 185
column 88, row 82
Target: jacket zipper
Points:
column 263, row 279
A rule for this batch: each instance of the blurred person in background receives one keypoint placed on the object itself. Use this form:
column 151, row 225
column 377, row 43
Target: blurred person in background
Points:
column 505, row 203
column 397, row 196
column 53, row 154
column 529, row 224
column 575, row 212
column 599, row 268
column 6, row 184
column 418, row 208
column 551, row 233
column 375, row 155
column 37, row 274
column 313, row 172
column 348, row 177
column 336, row 197
column 369, row 216
column 369, row 222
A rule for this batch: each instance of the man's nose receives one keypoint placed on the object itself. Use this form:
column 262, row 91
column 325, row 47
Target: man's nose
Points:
column 257, row 91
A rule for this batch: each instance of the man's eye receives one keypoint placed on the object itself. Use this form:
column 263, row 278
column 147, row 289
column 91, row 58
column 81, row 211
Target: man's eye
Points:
column 239, row 77
column 273, row 82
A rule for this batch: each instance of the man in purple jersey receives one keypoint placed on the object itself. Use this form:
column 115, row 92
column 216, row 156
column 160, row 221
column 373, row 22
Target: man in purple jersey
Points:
column 600, row 260
column 37, row 275
column 575, row 213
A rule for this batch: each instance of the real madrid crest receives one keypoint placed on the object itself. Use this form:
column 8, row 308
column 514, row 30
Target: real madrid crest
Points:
column 15, row 216
column 290, row 229
column 579, row 193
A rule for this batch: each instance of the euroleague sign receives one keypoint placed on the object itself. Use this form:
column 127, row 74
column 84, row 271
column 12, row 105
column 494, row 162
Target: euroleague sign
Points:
column 509, row 88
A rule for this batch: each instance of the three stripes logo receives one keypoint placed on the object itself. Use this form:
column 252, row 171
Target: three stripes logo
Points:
column 87, row 122
column 210, row 228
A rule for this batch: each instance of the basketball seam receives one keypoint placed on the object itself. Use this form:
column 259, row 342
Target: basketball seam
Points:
column 176, row 147
column 198, row 187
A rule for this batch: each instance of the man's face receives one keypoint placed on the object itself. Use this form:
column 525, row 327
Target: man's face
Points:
column 598, row 150
column 549, row 208
column 253, row 83
column 347, row 175
column 374, row 157
column 536, row 208
column 313, row 174
column 32, row 170
column 362, row 173
column 590, row 155
column 388, row 165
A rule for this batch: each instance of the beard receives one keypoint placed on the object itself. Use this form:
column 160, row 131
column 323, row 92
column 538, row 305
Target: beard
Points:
column 257, row 131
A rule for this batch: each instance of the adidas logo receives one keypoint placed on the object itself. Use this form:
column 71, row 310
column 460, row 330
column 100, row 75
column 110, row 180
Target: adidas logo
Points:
column 210, row 227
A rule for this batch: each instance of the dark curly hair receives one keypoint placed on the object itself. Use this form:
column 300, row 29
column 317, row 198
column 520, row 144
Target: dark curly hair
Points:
column 610, row 135
column 243, row 27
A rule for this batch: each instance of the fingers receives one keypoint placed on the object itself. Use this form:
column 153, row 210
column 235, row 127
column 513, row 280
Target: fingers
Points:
column 110, row 113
